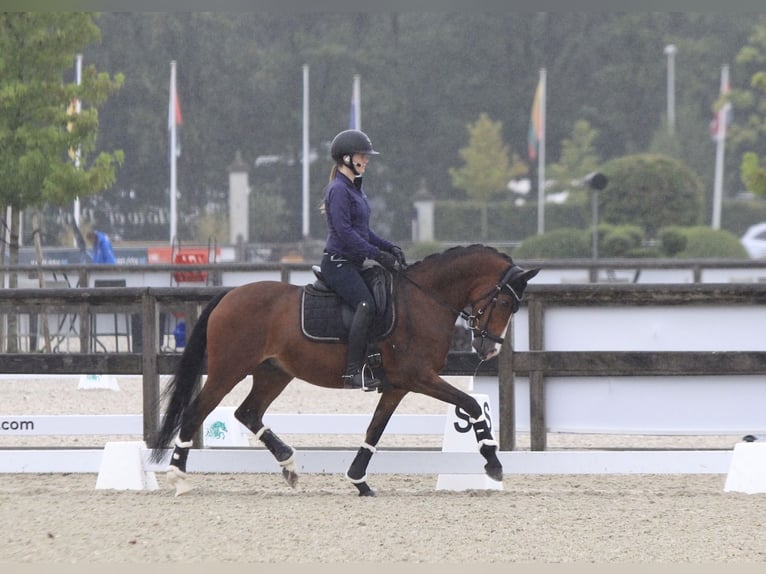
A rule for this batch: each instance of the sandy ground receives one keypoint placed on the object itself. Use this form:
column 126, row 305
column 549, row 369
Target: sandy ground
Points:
column 593, row 519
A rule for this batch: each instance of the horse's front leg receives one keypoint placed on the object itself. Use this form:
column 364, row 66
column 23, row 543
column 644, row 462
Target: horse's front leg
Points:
column 438, row 388
column 357, row 472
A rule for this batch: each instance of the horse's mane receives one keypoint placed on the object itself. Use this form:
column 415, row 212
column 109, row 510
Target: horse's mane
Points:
column 453, row 252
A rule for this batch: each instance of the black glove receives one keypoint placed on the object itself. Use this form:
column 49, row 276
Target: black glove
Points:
column 399, row 254
column 386, row 260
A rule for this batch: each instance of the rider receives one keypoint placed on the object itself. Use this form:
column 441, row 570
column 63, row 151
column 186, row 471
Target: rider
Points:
column 349, row 242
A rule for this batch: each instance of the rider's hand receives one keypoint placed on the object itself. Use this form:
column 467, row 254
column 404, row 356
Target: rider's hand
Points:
column 387, row 260
column 399, row 254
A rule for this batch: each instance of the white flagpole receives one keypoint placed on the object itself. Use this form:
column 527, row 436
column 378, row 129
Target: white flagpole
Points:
column 356, row 95
column 541, row 159
column 77, row 109
column 172, row 127
column 720, row 148
column 305, row 151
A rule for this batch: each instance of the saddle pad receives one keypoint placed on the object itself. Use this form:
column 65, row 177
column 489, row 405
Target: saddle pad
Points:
column 321, row 315
column 325, row 317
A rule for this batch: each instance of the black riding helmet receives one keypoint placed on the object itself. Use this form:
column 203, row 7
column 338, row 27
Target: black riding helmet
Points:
column 349, row 142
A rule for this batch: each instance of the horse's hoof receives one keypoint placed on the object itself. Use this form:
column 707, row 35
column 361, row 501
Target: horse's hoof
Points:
column 364, row 489
column 178, row 479
column 290, row 476
column 495, row 472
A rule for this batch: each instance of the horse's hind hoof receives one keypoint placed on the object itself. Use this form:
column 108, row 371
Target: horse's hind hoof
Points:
column 495, row 472
column 364, row 489
column 290, row 476
column 179, row 480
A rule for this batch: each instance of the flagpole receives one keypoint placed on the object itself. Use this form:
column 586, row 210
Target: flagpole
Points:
column 356, row 104
column 77, row 109
column 305, row 151
column 541, row 159
column 720, row 148
column 172, row 126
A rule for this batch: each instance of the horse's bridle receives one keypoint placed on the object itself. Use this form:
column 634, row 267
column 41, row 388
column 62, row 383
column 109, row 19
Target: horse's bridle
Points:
column 473, row 320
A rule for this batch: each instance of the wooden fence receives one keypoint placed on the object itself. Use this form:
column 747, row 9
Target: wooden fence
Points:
column 535, row 363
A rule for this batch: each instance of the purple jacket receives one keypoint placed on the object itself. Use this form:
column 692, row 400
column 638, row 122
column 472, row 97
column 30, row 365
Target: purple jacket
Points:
column 348, row 222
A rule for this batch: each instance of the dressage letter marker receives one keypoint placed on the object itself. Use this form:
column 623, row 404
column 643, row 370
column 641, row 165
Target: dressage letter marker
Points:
column 459, row 436
column 747, row 469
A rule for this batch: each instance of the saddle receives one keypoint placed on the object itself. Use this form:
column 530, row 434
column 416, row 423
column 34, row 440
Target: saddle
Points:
column 326, row 317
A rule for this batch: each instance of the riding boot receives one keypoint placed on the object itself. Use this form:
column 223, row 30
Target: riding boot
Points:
column 353, row 378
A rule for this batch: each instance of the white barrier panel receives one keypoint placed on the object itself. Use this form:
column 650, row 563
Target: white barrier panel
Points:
column 389, row 461
column 459, row 436
column 98, row 382
column 122, row 468
column 221, row 429
column 282, row 423
column 747, row 471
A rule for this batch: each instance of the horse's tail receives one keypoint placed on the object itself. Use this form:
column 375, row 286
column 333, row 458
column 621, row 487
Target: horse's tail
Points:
column 180, row 387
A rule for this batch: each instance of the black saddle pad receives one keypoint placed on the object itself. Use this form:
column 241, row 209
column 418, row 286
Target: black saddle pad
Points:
column 326, row 317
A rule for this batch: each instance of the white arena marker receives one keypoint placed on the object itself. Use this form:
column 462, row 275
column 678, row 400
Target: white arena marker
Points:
column 222, row 429
column 460, row 437
column 98, row 382
column 747, row 469
column 122, row 468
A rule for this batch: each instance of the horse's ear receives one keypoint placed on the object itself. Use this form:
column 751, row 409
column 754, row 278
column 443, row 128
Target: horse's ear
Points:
column 530, row 273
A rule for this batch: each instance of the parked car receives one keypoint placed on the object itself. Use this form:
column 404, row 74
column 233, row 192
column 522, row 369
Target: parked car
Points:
column 754, row 240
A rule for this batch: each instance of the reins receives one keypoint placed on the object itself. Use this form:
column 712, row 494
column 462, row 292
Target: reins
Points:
column 470, row 319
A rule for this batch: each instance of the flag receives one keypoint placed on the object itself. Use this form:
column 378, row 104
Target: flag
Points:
column 72, row 108
column 536, row 122
column 175, row 119
column 724, row 112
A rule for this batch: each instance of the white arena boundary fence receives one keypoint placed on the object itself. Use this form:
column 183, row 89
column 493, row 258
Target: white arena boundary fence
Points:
column 695, row 364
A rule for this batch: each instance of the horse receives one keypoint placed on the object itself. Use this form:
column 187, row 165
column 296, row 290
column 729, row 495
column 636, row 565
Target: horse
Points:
column 255, row 330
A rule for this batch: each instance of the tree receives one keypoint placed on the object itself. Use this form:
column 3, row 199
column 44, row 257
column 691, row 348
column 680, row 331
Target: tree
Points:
column 750, row 132
column 38, row 131
column 651, row 191
column 578, row 158
column 486, row 168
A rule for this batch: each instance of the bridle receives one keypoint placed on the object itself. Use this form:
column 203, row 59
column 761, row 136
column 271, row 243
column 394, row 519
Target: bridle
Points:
column 473, row 320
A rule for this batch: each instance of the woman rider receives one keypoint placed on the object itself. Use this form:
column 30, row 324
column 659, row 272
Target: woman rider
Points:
column 349, row 242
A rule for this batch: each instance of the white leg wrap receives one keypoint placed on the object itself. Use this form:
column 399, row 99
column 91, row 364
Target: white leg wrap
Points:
column 357, row 480
column 260, row 432
column 288, row 464
column 473, row 421
column 487, row 442
column 369, row 447
column 187, row 444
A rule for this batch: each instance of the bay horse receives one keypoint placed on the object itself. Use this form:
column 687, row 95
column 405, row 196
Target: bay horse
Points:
column 255, row 329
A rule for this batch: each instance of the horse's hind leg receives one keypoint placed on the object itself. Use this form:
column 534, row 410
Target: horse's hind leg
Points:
column 357, row 472
column 268, row 382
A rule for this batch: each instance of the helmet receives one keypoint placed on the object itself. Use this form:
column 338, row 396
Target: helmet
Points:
column 349, row 142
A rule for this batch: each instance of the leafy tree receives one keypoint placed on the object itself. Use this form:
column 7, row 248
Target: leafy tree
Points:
column 486, row 167
column 37, row 129
column 651, row 191
column 577, row 159
column 751, row 130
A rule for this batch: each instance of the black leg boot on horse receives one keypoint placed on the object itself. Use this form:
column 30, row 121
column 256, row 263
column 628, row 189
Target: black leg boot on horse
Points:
column 353, row 378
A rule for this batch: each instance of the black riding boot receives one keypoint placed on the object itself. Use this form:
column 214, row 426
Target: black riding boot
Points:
column 353, row 378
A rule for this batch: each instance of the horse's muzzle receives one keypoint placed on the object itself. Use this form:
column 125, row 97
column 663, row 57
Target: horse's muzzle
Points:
column 485, row 347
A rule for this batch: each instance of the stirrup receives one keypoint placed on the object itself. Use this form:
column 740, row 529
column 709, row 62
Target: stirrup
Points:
column 356, row 380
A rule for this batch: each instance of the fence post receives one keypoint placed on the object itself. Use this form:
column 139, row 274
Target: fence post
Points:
column 151, row 379
column 505, row 394
column 537, row 425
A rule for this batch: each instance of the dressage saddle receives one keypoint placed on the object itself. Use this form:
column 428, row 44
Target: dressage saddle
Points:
column 326, row 317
